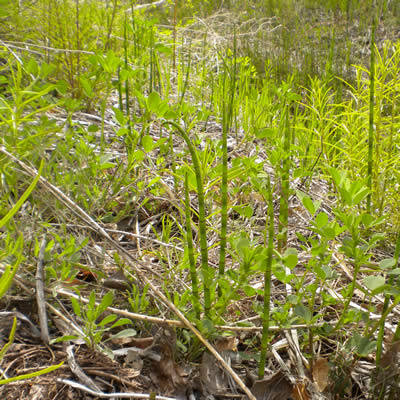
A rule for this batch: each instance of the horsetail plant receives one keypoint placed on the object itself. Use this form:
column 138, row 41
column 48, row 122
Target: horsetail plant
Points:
column 371, row 113
column 379, row 378
column 267, row 282
column 227, row 115
column 284, row 196
column 207, row 272
column 393, row 263
column 190, row 249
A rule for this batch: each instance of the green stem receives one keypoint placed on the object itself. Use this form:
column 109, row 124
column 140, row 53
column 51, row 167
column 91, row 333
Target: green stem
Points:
column 267, row 284
column 207, row 272
column 349, row 296
column 226, row 124
column 371, row 114
column 284, row 200
column 192, row 261
column 379, row 344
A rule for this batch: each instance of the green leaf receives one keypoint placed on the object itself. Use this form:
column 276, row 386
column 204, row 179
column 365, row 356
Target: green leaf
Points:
column 119, row 116
column 76, row 307
column 106, row 302
column 32, row 67
column 206, row 326
column 93, row 128
column 153, row 101
column 148, row 143
column 249, row 291
column 374, row 282
column 311, row 207
column 395, row 271
column 364, row 346
column 138, row 155
column 303, row 312
column 264, row 133
column 290, row 258
column 6, row 278
column 10, row 339
column 65, row 338
column 108, row 319
column 124, row 334
column 32, row 374
column 22, row 199
column 321, row 220
column 86, row 86
column 387, row 263
column 92, row 300
column 46, row 69
column 104, row 161
column 62, row 87
column 280, row 273
column 244, row 210
column 171, row 115
column 122, row 321
column 248, row 211
column 162, row 48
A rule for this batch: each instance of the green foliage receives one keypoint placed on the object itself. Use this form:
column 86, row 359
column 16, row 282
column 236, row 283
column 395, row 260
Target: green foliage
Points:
column 95, row 325
column 15, row 250
column 302, row 117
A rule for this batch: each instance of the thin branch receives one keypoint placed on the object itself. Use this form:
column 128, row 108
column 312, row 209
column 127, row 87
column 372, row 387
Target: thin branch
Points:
column 40, row 299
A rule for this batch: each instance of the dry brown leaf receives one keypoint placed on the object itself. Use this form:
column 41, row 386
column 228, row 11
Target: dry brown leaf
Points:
column 167, row 374
column 276, row 387
column 389, row 358
column 213, row 379
column 321, row 373
column 300, row 392
column 117, row 281
column 226, row 343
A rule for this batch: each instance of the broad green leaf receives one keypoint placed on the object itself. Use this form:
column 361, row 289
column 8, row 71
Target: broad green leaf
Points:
column 93, row 128
column 321, row 220
column 374, row 282
column 387, row 263
column 139, row 155
column 148, row 143
column 153, row 101
column 264, row 133
column 119, row 116
column 249, row 290
column 124, row 334
column 303, row 312
column 244, row 210
column 171, row 115
column 32, row 67
column 395, row 271
column 364, row 346
column 311, row 206
column 87, row 86
column 290, row 258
